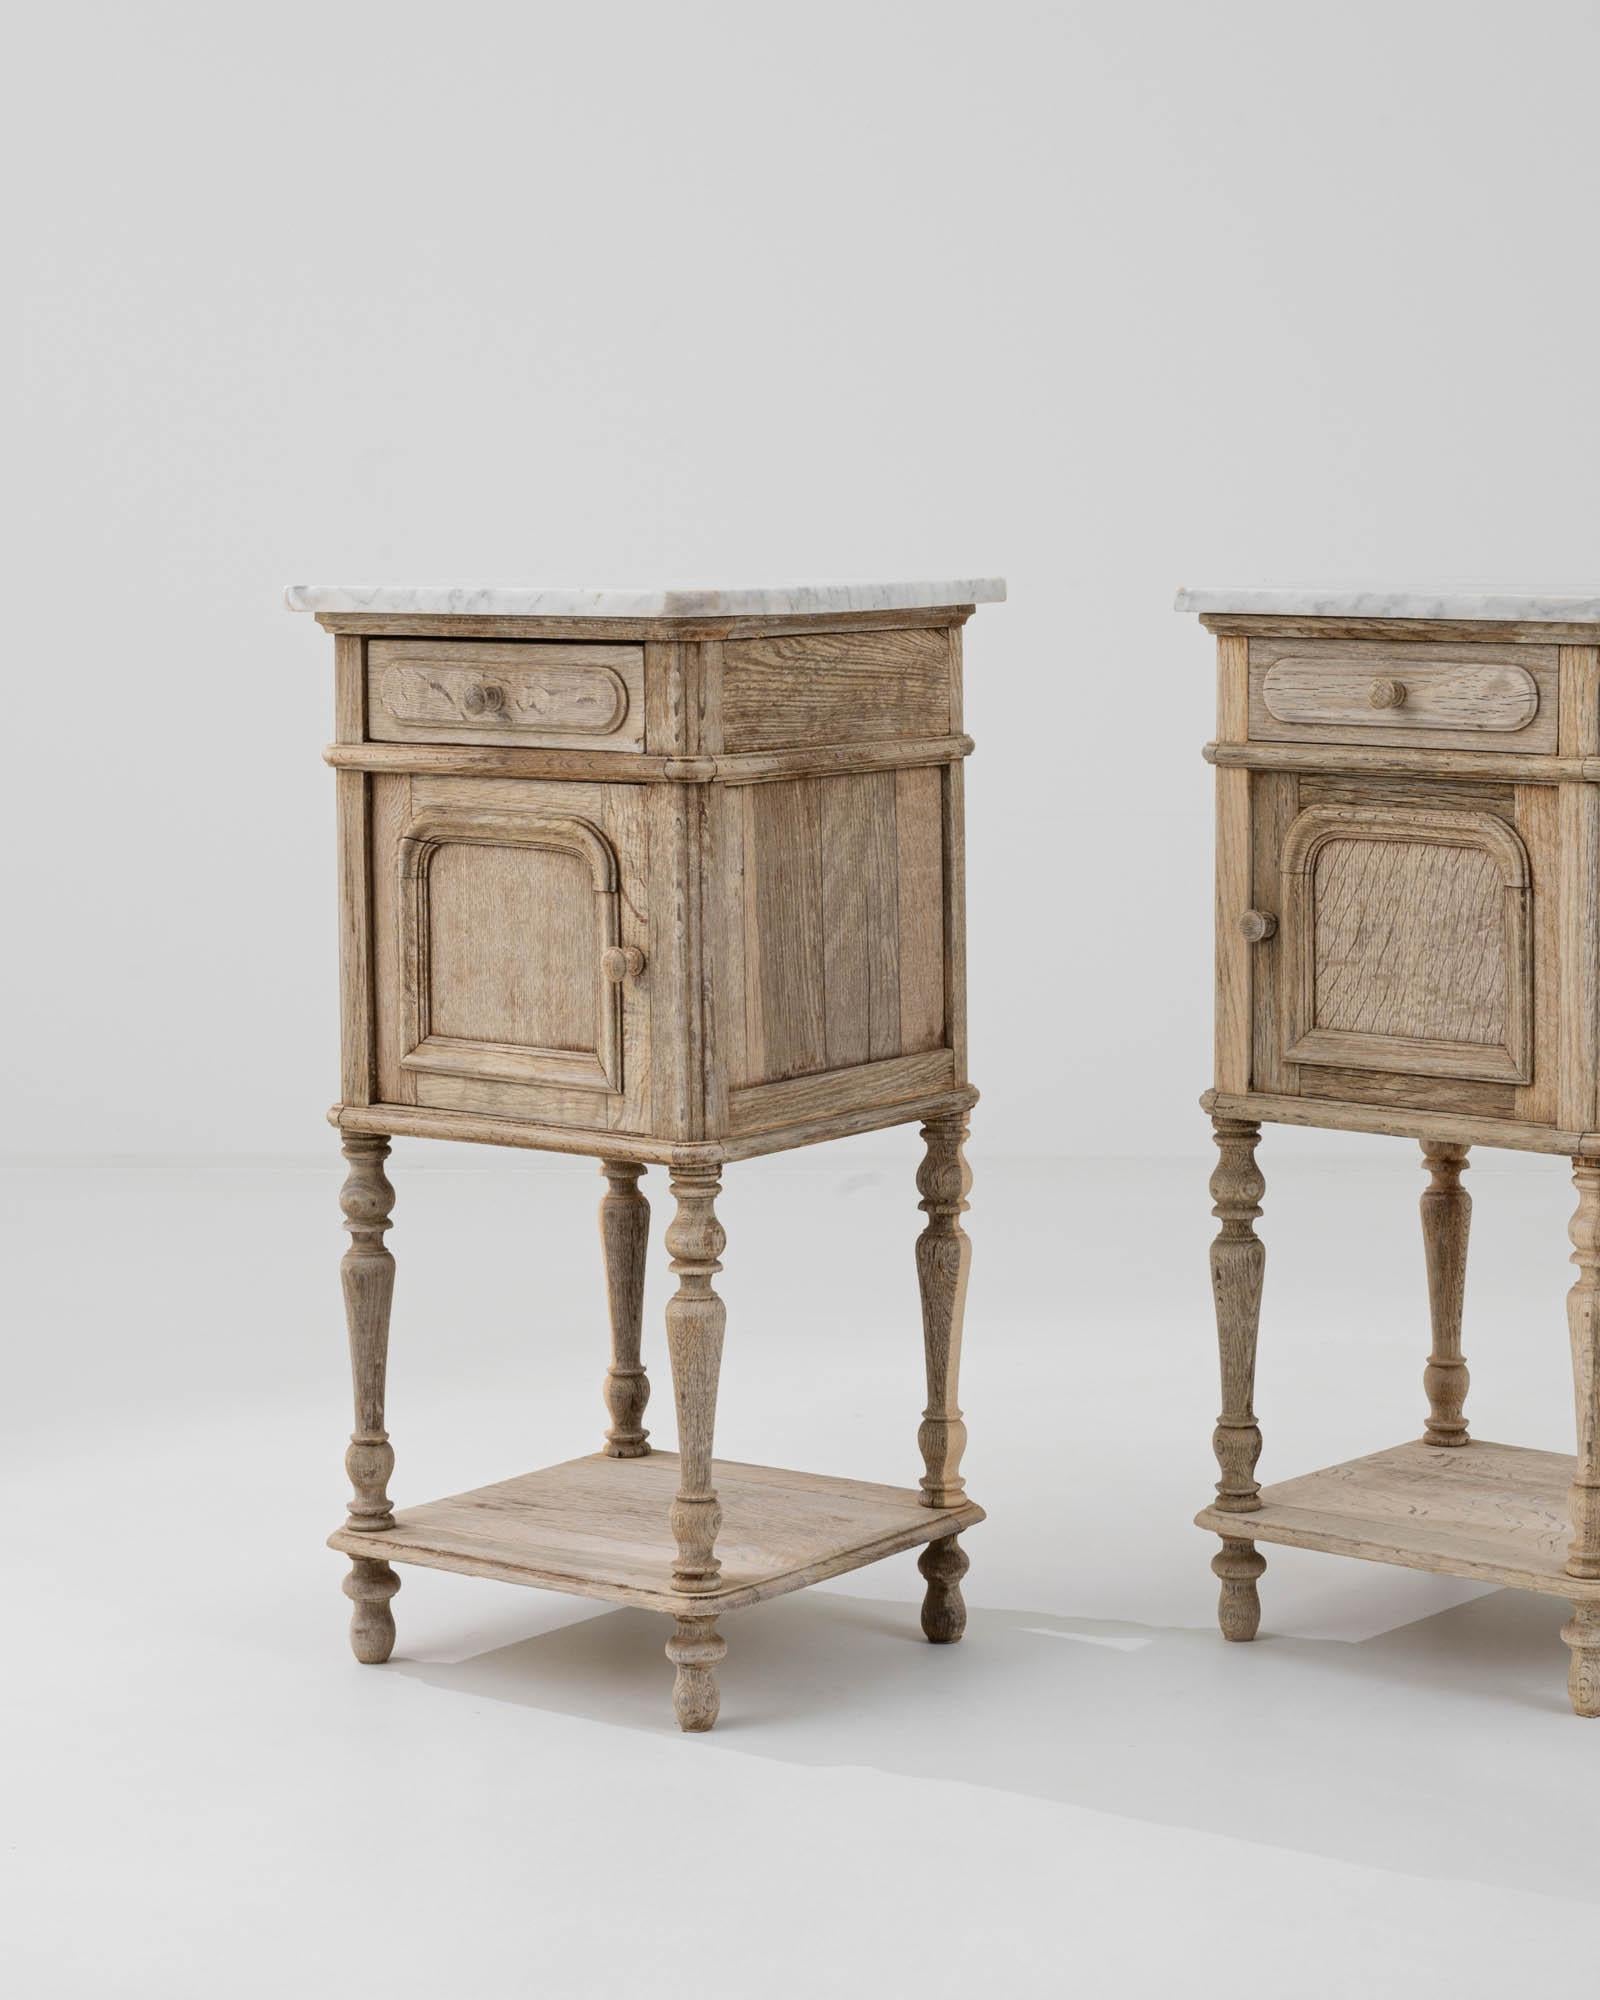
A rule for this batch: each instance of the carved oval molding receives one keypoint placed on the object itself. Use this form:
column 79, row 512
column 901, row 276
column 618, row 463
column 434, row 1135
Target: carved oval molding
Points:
column 1498, row 697
column 553, row 697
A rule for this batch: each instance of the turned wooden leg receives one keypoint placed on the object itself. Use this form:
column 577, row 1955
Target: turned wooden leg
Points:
column 944, row 1259
column 1238, row 1263
column 625, row 1237
column 695, row 1321
column 367, row 1274
column 696, row 1649
column 1582, row 1634
column 1446, row 1223
column 1583, row 1320
column 944, row 1613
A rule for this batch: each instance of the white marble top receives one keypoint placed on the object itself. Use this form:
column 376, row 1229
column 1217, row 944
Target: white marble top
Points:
column 1577, row 607
column 523, row 600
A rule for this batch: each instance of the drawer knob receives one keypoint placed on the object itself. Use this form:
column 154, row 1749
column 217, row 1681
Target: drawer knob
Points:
column 1256, row 926
column 484, row 698
column 621, row 961
column 1387, row 694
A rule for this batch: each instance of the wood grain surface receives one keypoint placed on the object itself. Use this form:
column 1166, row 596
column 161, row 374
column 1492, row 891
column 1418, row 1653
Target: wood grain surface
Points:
column 814, row 688
column 841, row 945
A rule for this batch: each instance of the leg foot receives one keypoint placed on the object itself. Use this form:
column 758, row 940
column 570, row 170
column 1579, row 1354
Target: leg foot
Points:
column 696, row 1649
column 1238, row 1567
column 1582, row 1634
column 944, row 1613
column 369, row 1587
column 1446, row 1221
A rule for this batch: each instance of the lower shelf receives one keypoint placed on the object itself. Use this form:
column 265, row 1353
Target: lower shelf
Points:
column 1496, row 1512
column 597, row 1526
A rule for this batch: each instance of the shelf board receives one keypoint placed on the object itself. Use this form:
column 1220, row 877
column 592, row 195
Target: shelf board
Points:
column 597, row 1526
column 1495, row 1512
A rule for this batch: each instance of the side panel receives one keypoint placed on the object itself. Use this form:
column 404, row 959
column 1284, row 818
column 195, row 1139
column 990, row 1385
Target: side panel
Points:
column 829, row 929
column 848, row 687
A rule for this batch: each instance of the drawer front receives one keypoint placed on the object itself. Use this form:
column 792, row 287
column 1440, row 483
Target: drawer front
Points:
column 545, row 696
column 1417, row 694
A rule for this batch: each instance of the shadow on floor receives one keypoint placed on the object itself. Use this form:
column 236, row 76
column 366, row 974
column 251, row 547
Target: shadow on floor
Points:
column 1151, row 1723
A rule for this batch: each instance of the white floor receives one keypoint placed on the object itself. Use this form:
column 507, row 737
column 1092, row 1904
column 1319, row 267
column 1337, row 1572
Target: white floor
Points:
column 206, row 1796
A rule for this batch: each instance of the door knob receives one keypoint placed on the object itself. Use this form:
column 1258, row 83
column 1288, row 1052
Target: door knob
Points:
column 484, row 698
column 1388, row 694
column 1256, row 926
column 621, row 961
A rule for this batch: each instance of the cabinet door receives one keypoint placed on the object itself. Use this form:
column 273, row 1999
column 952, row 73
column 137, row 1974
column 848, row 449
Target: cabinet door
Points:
column 509, row 924
column 511, row 948
column 1407, row 943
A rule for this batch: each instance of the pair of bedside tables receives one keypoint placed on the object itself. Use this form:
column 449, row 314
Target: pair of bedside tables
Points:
column 669, row 879
column 676, row 879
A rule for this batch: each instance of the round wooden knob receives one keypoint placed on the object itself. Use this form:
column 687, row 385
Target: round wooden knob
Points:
column 1387, row 694
column 621, row 961
column 1256, row 926
column 484, row 698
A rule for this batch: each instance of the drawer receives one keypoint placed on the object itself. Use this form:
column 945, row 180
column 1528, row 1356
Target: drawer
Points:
column 542, row 695
column 1411, row 693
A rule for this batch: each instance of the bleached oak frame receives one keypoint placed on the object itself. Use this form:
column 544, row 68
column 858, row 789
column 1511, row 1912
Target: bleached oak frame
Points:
column 769, row 813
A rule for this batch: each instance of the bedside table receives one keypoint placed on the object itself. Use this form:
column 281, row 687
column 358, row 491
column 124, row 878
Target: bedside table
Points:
column 665, row 878
column 1408, row 942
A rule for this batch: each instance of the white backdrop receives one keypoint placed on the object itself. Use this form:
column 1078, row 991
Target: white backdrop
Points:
column 1106, row 297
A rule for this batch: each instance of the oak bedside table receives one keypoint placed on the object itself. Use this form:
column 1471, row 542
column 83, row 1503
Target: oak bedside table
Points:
column 666, row 878
column 1408, row 942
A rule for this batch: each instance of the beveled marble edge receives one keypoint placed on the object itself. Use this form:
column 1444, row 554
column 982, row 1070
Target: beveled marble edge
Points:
column 489, row 600
column 1375, row 601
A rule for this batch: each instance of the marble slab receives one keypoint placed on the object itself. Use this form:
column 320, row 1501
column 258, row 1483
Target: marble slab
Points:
column 510, row 600
column 1552, row 607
